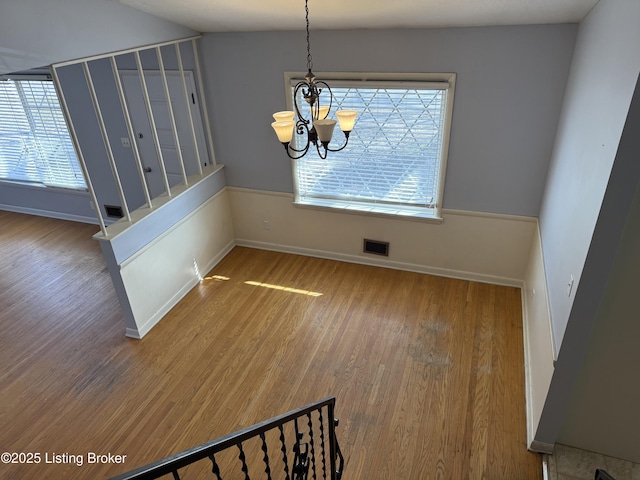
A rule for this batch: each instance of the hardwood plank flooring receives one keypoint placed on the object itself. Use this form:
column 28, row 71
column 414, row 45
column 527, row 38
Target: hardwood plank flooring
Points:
column 427, row 371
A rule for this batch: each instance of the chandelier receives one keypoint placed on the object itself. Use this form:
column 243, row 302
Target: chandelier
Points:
column 318, row 127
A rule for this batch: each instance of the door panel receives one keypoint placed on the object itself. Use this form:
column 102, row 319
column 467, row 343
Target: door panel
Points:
column 142, row 126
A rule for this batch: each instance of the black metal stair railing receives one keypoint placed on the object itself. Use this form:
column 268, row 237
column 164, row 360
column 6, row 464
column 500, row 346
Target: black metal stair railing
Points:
column 305, row 448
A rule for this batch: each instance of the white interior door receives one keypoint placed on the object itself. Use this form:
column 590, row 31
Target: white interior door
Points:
column 142, row 126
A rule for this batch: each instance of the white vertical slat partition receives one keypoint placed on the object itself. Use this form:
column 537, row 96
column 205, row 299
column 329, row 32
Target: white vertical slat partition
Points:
column 105, row 139
column 196, row 149
column 130, row 130
column 152, row 121
column 204, row 100
column 74, row 139
column 172, row 118
column 95, row 99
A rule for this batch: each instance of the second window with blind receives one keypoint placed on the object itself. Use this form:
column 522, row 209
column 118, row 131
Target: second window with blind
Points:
column 396, row 158
column 35, row 146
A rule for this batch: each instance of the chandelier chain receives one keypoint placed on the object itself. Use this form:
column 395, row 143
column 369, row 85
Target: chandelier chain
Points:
column 318, row 127
column 309, row 60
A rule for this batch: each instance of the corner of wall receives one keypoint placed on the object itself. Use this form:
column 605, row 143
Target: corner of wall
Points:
column 153, row 269
column 538, row 343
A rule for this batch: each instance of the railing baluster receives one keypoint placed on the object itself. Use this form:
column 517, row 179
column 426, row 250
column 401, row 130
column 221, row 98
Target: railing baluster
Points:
column 300, row 466
column 336, row 453
column 295, row 424
column 324, row 462
column 311, row 443
column 265, row 458
column 215, row 469
column 333, row 443
column 294, row 469
column 283, row 449
column 242, row 458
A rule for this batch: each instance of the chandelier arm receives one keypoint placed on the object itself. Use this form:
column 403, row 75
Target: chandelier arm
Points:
column 321, row 82
column 337, row 149
column 296, row 157
column 305, row 149
column 346, row 142
column 301, row 126
column 320, row 151
column 300, row 85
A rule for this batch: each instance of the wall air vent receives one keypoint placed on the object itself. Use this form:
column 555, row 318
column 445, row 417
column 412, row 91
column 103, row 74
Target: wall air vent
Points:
column 376, row 247
column 114, row 211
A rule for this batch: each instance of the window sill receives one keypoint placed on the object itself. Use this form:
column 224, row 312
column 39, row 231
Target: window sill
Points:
column 372, row 209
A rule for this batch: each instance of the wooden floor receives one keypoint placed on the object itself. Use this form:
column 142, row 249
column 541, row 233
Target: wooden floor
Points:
column 427, row 371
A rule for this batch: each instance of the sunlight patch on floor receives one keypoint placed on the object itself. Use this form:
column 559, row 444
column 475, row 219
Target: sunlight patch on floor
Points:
column 284, row 289
column 220, row 278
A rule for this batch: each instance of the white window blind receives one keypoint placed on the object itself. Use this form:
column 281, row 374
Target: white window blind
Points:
column 35, row 146
column 395, row 155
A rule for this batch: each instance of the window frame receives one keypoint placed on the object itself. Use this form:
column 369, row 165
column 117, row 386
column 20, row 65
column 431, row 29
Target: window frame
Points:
column 46, row 77
column 381, row 80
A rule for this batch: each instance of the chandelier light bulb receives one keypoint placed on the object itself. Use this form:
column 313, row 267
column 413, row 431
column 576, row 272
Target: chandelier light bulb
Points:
column 347, row 118
column 324, row 128
column 284, row 130
column 322, row 114
column 284, row 116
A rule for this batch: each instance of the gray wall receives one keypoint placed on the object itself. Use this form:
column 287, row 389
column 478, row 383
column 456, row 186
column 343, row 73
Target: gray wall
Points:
column 603, row 75
column 592, row 180
column 509, row 90
column 35, row 33
column 48, row 202
column 603, row 412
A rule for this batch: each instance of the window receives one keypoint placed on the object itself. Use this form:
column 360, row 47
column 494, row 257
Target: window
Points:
column 396, row 157
column 35, row 147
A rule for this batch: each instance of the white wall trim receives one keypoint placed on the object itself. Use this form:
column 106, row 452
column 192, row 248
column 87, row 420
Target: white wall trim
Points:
column 472, row 246
column 500, row 216
column 538, row 343
column 50, row 214
column 447, row 211
column 527, row 371
column 178, row 224
column 179, row 295
column 197, row 190
column 376, row 261
column 261, row 192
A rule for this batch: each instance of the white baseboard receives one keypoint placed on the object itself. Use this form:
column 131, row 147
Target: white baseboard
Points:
column 380, row 262
column 527, row 369
column 538, row 344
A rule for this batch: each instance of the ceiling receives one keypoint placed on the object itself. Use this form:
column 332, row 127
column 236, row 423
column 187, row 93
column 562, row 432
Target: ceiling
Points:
column 257, row 15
